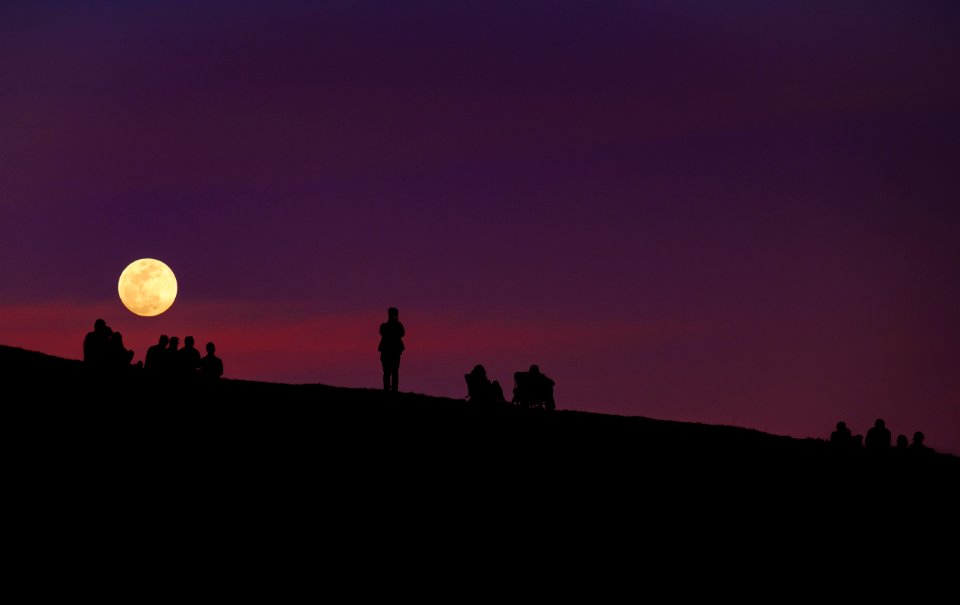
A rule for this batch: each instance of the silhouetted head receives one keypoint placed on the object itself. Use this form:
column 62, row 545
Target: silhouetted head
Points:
column 902, row 441
column 174, row 342
column 918, row 438
column 393, row 312
column 164, row 339
column 211, row 348
column 841, row 426
column 188, row 342
column 534, row 369
column 479, row 370
column 116, row 337
column 99, row 324
column 879, row 423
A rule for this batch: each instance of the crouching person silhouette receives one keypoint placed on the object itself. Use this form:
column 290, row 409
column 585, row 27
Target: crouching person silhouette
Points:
column 480, row 389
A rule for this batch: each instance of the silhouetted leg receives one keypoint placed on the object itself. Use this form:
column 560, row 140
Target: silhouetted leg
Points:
column 385, row 362
column 391, row 367
column 395, row 372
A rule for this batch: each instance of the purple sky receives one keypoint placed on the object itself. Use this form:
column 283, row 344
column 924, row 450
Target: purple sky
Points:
column 743, row 212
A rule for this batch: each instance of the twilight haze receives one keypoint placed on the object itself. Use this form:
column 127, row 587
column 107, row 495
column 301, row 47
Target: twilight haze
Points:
column 743, row 212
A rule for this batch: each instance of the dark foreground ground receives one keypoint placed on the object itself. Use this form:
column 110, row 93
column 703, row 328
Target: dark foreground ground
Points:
column 317, row 433
column 133, row 461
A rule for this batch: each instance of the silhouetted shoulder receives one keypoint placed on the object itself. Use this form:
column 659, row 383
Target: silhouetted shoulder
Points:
column 211, row 366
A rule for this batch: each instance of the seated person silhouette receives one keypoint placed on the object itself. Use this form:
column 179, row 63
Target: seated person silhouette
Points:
column 917, row 444
column 480, row 389
column 902, row 442
column 119, row 356
column 842, row 437
column 211, row 367
column 878, row 437
column 156, row 354
column 96, row 345
column 533, row 389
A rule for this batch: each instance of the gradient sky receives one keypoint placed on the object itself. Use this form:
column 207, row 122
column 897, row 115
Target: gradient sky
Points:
column 744, row 212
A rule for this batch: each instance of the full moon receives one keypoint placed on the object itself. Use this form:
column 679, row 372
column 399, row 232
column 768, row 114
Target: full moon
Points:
column 147, row 287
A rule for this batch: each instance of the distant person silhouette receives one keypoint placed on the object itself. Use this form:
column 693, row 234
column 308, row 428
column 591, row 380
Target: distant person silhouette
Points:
column 119, row 356
column 917, row 444
column 878, row 437
column 902, row 442
column 155, row 355
column 211, row 367
column 391, row 347
column 533, row 389
column 188, row 358
column 842, row 437
column 96, row 344
column 480, row 389
column 171, row 357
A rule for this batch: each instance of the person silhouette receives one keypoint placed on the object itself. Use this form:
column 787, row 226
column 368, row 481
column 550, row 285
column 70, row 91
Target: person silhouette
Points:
column 879, row 436
column 917, row 444
column 533, row 389
column 391, row 347
column 119, row 356
column 188, row 358
column 155, row 355
column 171, row 355
column 842, row 437
column 96, row 344
column 211, row 367
column 480, row 389
column 902, row 442
column 545, row 386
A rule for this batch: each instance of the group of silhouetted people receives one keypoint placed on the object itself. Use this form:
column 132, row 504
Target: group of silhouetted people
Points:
column 878, row 438
column 103, row 348
column 166, row 358
column 531, row 389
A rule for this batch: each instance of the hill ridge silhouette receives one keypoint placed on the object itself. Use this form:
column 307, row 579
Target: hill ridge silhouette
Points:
column 411, row 421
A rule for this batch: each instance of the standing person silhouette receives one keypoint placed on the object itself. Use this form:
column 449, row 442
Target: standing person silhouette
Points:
column 391, row 347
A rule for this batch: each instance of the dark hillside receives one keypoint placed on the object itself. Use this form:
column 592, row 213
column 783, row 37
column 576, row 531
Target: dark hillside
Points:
column 68, row 405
